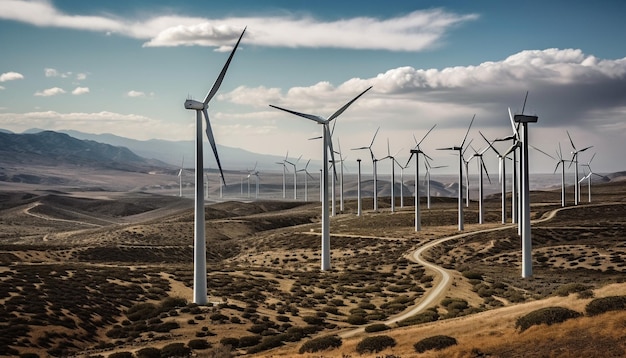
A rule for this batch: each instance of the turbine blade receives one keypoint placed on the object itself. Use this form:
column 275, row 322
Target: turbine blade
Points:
column 468, row 130
column 448, row 148
column 584, row 149
column 220, row 78
column 482, row 163
column 409, row 160
column 515, row 132
column 342, row 109
column 490, row 144
column 374, row 137
column 557, row 166
column 570, row 139
column 330, row 148
column 425, row 135
column 209, row 134
column 312, row 117
column 593, row 156
column 539, row 150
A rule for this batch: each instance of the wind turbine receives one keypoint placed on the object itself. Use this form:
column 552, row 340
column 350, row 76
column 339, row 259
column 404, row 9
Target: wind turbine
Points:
column 527, row 270
column 392, row 159
column 374, row 160
column 561, row 162
column 306, row 183
column 180, row 177
column 417, row 151
column 359, row 210
column 326, row 149
column 588, row 176
column 501, row 175
column 295, row 176
column 200, row 274
column 341, row 167
column 516, row 143
column 481, row 166
column 467, row 182
column 575, row 161
column 283, row 163
column 427, row 175
column 460, row 189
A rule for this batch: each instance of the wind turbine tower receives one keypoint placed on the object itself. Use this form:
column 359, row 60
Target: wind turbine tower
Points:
column 460, row 188
column 326, row 149
column 417, row 151
column 359, row 210
column 374, row 160
column 575, row 161
column 200, row 274
column 527, row 270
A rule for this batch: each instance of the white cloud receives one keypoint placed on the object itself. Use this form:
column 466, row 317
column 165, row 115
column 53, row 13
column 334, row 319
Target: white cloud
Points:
column 80, row 90
column 1, row 88
column 11, row 76
column 50, row 92
column 81, row 76
column 134, row 93
column 415, row 31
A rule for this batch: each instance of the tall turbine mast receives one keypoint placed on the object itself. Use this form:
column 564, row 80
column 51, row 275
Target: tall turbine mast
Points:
column 201, row 108
column 460, row 188
column 417, row 151
column 374, row 160
column 326, row 149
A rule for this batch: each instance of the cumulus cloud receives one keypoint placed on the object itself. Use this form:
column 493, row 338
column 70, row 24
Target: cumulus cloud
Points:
column 80, row 90
column 134, row 93
column 50, row 92
column 11, row 76
column 415, row 31
column 81, row 76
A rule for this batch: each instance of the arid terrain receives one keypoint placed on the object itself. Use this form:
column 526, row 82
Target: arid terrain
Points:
column 101, row 273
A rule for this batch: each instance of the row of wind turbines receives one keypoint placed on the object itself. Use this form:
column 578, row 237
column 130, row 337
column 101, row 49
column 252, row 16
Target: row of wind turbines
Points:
column 520, row 206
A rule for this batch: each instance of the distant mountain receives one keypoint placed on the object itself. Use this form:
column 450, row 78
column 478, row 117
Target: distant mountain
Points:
column 172, row 152
column 52, row 148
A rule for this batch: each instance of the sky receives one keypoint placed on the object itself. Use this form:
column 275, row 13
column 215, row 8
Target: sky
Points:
column 126, row 68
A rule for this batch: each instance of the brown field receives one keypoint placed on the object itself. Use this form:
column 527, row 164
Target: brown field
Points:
column 97, row 273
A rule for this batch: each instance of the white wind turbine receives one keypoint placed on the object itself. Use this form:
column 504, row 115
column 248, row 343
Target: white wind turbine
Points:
column 374, row 160
column 341, row 167
column 428, row 168
column 481, row 166
column 575, row 161
column 460, row 188
column 467, row 182
column 180, row 177
column 200, row 274
column 516, row 144
column 392, row 159
column 359, row 210
column 326, row 149
column 527, row 270
column 561, row 162
column 306, row 182
column 284, row 164
column 588, row 176
column 295, row 176
column 501, row 176
column 417, row 151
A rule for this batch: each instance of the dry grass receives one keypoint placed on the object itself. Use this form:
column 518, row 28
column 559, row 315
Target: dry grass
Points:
column 264, row 260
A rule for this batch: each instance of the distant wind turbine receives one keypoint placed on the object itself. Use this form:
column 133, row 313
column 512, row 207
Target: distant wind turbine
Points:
column 460, row 188
column 588, row 176
column 481, row 166
column 392, row 159
column 295, row 176
column 180, row 177
column 417, row 151
column 306, row 183
column 501, row 175
column 428, row 168
column 359, row 210
column 326, row 149
column 575, row 161
column 560, row 162
column 200, row 274
column 374, row 160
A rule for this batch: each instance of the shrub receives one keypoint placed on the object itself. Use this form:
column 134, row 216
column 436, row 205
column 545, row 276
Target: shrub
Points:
column 121, row 355
column 175, row 350
column 249, row 341
column 356, row 319
column 377, row 327
column 565, row 290
column 605, row 304
column 320, row 344
column 548, row 315
column 148, row 353
column 426, row 316
column 172, row 302
column 267, row 343
column 142, row 311
column 230, row 341
column 473, row 275
column 313, row 320
column 434, row 342
column 199, row 344
column 375, row 344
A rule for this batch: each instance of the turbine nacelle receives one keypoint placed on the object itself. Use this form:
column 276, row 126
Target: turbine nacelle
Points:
column 193, row 104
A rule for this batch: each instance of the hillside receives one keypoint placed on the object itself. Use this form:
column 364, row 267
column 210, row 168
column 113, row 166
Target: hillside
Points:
column 96, row 273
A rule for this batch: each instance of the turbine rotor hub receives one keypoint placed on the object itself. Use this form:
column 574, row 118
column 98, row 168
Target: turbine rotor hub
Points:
column 193, row 104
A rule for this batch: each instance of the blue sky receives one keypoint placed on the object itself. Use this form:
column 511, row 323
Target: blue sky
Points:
column 127, row 67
